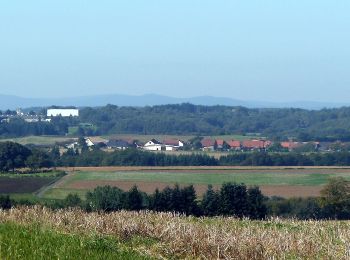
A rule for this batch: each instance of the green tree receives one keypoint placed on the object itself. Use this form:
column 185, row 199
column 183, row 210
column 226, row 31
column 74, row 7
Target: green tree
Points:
column 134, row 199
column 210, row 202
column 335, row 198
column 38, row 159
column 12, row 156
column 233, row 200
column 105, row 198
column 256, row 206
column 5, row 202
column 72, row 200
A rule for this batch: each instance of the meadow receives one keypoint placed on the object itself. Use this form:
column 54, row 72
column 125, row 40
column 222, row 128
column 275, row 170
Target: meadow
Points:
column 40, row 140
column 72, row 233
column 287, row 182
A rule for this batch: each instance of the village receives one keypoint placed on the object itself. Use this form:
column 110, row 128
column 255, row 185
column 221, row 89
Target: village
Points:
column 204, row 144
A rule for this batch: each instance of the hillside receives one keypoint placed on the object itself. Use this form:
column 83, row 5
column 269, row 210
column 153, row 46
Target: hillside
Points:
column 188, row 119
column 165, row 235
column 304, row 125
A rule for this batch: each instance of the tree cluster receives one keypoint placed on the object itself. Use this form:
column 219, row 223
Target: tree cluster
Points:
column 231, row 200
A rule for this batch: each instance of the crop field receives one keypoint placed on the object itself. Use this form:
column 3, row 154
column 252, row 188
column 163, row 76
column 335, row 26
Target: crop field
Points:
column 37, row 232
column 26, row 184
column 287, row 182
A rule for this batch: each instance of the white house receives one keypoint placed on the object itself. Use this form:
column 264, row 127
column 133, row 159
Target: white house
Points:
column 172, row 144
column 153, row 145
column 64, row 112
column 95, row 140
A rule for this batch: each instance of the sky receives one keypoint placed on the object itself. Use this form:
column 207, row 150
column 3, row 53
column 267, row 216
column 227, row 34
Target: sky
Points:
column 269, row 50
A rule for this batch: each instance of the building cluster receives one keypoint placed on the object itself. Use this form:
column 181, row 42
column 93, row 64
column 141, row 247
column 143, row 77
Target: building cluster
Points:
column 32, row 117
column 206, row 144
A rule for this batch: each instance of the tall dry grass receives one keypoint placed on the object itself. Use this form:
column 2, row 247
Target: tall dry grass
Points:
column 178, row 236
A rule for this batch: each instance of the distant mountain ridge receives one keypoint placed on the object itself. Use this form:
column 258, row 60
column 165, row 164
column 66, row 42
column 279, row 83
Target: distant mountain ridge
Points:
column 13, row 102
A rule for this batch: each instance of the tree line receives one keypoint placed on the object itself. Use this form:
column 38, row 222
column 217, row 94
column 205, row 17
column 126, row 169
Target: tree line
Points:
column 14, row 156
column 187, row 119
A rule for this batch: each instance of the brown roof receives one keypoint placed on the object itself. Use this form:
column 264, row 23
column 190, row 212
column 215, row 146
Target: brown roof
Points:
column 171, row 142
column 253, row 144
column 234, row 144
column 207, row 142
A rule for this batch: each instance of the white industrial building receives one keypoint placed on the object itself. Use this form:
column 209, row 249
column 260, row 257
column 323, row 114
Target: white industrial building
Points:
column 64, row 112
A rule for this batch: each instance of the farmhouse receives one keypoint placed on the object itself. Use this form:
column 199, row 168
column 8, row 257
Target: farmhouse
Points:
column 234, row 145
column 208, row 144
column 95, row 140
column 172, row 144
column 220, row 144
column 255, row 144
column 64, row 112
column 153, row 145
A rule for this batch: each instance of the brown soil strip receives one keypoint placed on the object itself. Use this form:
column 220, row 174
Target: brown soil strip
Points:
column 149, row 187
column 210, row 169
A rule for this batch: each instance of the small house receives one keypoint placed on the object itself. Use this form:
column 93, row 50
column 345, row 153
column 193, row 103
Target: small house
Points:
column 153, row 145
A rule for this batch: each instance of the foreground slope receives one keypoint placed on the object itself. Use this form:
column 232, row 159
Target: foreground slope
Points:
column 173, row 236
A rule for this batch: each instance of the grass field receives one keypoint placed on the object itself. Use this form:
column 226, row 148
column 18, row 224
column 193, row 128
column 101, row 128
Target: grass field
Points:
column 272, row 181
column 36, row 242
column 145, row 138
column 39, row 140
column 37, row 233
column 51, row 140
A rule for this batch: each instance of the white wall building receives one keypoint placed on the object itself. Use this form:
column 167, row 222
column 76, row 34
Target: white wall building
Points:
column 153, row 145
column 64, row 112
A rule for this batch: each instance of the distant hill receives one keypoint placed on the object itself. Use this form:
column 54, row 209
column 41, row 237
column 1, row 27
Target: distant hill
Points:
column 13, row 102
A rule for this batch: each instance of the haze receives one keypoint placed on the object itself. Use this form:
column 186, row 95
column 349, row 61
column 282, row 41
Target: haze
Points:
column 252, row 50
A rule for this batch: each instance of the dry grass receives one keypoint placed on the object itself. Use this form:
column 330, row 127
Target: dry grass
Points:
column 177, row 236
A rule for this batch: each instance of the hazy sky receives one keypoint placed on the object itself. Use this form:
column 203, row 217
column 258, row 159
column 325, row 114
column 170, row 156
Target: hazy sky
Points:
column 269, row 50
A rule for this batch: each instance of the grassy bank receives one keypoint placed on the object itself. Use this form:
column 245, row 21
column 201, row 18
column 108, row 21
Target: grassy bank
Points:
column 35, row 242
column 173, row 236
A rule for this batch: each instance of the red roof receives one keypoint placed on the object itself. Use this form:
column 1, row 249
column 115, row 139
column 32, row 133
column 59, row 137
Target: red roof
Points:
column 254, row 144
column 208, row 142
column 234, row 144
column 290, row 145
column 220, row 142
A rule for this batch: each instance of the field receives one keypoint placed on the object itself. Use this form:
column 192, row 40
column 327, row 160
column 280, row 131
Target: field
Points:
column 39, row 140
column 36, row 232
column 27, row 186
column 145, row 138
column 275, row 181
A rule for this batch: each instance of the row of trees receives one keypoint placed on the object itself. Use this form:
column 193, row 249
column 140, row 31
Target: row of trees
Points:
column 231, row 200
column 188, row 119
column 13, row 156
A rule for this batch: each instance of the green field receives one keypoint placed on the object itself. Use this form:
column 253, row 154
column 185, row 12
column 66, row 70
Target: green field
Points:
column 81, row 181
column 145, row 138
column 37, row 242
column 248, row 178
column 38, row 140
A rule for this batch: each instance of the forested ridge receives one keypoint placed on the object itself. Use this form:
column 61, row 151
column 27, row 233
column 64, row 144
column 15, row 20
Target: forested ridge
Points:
column 304, row 125
column 188, row 119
